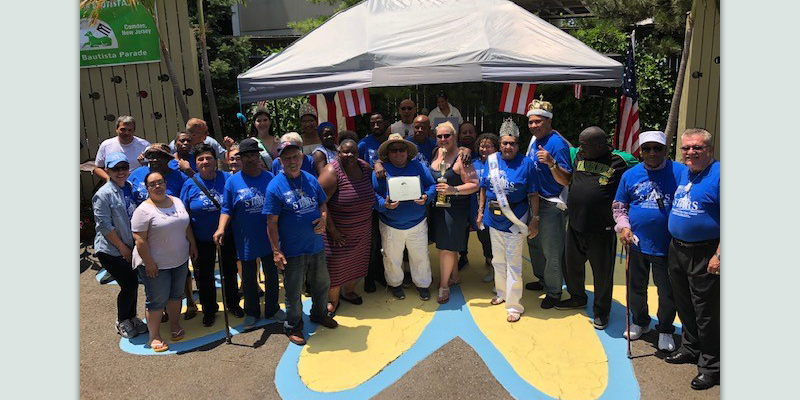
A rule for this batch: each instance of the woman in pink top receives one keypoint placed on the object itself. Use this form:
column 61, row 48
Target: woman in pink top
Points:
column 164, row 244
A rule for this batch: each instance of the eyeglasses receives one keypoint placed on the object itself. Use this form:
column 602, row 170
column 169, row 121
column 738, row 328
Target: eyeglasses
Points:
column 157, row 183
column 406, row 108
column 508, row 143
column 444, row 136
column 654, row 149
column 397, row 149
column 695, row 148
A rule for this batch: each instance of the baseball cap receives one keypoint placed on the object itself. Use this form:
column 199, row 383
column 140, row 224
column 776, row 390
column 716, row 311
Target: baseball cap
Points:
column 115, row 158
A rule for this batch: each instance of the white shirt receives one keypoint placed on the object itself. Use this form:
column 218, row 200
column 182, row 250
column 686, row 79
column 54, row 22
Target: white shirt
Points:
column 437, row 113
column 406, row 130
column 131, row 150
column 166, row 233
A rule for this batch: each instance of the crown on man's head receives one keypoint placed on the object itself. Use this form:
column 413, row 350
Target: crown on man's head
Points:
column 540, row 107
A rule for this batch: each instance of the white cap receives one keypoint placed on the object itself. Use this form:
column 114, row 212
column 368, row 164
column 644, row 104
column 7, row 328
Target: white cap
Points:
column 653, row 136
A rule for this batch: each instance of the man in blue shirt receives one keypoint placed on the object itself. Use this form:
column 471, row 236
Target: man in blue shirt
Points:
column 368, row 151
column 694, row 223
column 157, row 157
column 550, row 154
column 422, row 139
column 296, row 212
column 403, row 223
column 641, row 209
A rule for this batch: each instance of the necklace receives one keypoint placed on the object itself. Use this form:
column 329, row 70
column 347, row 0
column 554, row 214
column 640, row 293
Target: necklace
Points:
column 688, row 187
column 298, row 188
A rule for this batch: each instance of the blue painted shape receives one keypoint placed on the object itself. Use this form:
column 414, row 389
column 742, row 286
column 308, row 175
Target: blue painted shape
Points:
column 451, row 320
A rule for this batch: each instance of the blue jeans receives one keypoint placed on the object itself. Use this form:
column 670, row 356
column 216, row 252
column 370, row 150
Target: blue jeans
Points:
column 250, row 287
column 167, row 285
column 297, row 268
column 547, row 248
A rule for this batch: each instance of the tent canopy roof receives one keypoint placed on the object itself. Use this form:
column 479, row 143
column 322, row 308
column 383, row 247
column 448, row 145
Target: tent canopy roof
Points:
column 408, row 42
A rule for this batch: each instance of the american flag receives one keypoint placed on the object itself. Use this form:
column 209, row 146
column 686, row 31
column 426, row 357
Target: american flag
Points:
column 577, row 90
column 627, row 137
column 329, row 109
column 516, row 97
column 355, row 102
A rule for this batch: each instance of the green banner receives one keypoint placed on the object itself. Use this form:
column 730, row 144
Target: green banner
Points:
column 121, row 35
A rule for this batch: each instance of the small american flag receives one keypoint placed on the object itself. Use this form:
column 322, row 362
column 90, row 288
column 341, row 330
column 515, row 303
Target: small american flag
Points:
column 355, row 102
column 516, row 97
column 329, row 109
column 578, row 90
column 627, row 137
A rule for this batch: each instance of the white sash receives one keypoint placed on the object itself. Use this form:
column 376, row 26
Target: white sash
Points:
column 494, row 176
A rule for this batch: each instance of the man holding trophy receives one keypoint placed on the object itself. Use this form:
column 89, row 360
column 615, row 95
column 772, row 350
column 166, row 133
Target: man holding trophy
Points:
column 456, row 180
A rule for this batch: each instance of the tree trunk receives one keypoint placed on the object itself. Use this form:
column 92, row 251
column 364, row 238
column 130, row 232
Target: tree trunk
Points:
column 176, row 90
column 672, row 120
column 212, row 101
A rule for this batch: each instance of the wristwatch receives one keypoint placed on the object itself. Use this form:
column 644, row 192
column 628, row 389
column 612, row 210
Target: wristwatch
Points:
column 456, row 190
column 554, row 166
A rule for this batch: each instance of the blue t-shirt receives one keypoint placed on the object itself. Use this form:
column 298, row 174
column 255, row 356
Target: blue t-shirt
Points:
column 559, row 150
column 130, row 202
column 408, row 213
column 204, row 214
column 308, row 166
column 296, row 202
column 641, row 189
column 368, row 149
column 174, row 180
column 695, row 213
column 519, row 178
column 173, row 164
column 242, row 199
column 425, row 151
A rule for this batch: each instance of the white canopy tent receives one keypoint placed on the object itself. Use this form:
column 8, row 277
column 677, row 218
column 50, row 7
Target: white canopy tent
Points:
column 408, row 42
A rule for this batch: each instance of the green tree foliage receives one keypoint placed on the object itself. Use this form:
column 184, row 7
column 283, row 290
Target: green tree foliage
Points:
column 308, row 25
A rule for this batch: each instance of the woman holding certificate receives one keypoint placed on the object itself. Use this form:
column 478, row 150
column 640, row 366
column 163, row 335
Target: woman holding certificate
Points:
column 450, row 213
column 509, row 208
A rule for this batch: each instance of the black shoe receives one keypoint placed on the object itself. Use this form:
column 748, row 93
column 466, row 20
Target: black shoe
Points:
column 208, row 319
column 549, row 302
column 570, row 304
column 424, row 293
column 397, row 292
column 463, row 261
column 164, row 317
column 236, row 311
column 327, row 322
column 369, row 286
column 407, row 282
column 106, row 279
column 600, row 322
column 679, row 357
column 356, row 299
column 703, row 381
column 534, row 285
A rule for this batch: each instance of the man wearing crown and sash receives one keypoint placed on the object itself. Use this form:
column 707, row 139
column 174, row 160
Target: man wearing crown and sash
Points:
column 550, row 154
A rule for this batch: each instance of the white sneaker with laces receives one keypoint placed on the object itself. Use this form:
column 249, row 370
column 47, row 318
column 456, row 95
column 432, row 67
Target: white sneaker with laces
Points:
column 666, row 342
column 636, row 331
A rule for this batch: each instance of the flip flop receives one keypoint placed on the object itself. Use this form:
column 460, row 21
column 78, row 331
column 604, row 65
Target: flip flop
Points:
column 190, row 313
column 178, row 335
column 444, row 295
column 497, row 300
column 159, row 348
column 357, row 300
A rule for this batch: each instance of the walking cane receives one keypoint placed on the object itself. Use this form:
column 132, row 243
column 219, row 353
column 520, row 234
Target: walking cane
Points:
column 627, row 252
column 224, row 302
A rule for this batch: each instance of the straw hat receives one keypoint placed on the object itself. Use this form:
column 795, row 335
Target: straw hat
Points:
column 383, row 151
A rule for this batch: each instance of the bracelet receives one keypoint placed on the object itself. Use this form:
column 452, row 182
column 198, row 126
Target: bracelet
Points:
column 554, row 166
column 535, row 217
column 456, row 190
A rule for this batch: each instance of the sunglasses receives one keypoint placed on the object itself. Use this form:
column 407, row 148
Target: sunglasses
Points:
column 695, row 148
column 444, row 136
column 508, row 143
column 653, row 149
column 121, row 168
column 157, row 183
column 397, row 149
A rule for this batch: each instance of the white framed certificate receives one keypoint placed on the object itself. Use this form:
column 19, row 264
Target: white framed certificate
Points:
column 403, row 188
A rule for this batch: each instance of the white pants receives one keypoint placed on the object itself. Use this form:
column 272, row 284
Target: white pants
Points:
column 507, row 263
column 416, row 240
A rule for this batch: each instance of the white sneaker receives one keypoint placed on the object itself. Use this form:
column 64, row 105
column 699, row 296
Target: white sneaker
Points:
column 489, row 276
column 666, row 342
column 636, row 331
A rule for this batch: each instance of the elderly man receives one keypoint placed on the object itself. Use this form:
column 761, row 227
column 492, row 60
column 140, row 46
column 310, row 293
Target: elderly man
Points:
column 403, row 223
column 694, row 265
column 550, row 154
column 124, row 142
column 158, row 157
column 590, row 232
column 198, row 131
column 296, row 212
column 641, row 209
column 307, row 161
column 422, row 139
column 407, row 110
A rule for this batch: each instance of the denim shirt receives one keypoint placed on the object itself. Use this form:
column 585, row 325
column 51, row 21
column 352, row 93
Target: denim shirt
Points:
column 110, row 214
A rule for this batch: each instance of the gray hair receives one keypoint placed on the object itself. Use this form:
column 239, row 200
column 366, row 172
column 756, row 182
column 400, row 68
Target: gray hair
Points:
column 293, row 137
column 125, row 119
column 708, row 138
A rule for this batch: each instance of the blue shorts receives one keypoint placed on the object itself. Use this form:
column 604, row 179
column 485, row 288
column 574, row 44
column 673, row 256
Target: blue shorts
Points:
column 167, row 285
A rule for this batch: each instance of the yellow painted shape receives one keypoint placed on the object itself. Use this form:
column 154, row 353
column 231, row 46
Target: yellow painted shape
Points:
column 369, row 337
column 558, row 352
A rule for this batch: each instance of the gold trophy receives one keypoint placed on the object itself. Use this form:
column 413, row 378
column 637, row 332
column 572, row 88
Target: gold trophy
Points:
column 441, row 198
